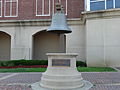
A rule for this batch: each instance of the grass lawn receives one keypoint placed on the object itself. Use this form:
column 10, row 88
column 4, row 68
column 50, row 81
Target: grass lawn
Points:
column 81, row 69
column 96, row 69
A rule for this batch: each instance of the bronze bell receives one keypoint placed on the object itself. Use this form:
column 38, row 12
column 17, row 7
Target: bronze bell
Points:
column 59, row 21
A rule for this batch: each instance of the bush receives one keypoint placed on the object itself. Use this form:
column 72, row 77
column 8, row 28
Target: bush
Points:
column 23, row 62
column 29, row 62
column 6, row 63
column 32, row 62
column 81, row 64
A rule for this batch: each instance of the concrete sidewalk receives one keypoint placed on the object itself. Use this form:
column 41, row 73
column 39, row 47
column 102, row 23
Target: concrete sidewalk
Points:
column 22, row 81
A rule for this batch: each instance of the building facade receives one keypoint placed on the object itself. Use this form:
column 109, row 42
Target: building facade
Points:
column 94, row 23
column 102, row 32
column 23, row 25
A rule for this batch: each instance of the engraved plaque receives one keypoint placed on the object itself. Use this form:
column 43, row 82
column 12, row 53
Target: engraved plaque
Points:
column 61, row 62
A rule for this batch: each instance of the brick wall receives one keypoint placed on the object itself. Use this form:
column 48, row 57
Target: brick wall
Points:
column 27, row 9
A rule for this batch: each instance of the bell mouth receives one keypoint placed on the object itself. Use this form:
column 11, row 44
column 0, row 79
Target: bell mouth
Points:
column 60, row 31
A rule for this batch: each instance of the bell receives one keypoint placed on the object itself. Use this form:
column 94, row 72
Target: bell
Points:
column 59, row 22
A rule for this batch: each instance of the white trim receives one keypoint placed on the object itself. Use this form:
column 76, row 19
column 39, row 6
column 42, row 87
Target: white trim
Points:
column 1, row 8
column 17, row 9
column 11, row 1
column 36, row 7
column 97, row 1
column 11, row 16
column 66, row 7
column 105, row 4
column 43, row 15
column 113, row 3
column 88, row 5
column 42, row 8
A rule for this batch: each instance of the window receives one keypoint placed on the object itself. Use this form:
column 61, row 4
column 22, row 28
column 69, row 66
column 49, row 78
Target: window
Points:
column 93, row 5
column 11, row 8
column 0, row 8
column 97, row 5
column 109, row 4
column 43, row 7
column 117, row 3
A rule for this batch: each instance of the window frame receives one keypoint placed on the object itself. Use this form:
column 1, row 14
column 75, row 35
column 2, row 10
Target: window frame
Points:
column 87, row 4
column 1, row 7
column 42, row 9
column 10, row 8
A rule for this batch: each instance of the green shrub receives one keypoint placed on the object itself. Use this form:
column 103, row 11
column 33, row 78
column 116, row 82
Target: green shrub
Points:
column 6, row 63
column 81, row 64
column 23, row 62
column 33, row 62
column 29, row 62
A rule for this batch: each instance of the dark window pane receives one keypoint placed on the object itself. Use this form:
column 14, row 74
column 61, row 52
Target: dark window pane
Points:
column 46, row 6
column 109, row 4
column 97, row 5
column 39, row 7
column 117, row 3
column 7, row 9
column 14, row 8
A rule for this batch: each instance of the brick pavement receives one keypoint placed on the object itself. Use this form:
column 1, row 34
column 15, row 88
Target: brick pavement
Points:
column 21, row 81
column 14, row 87
column 103, row 81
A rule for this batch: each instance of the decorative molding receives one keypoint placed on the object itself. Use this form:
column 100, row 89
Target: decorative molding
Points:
column 109, row 13
column 41, row 22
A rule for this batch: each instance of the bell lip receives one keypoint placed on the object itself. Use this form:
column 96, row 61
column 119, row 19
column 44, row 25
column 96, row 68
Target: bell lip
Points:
column 59, row 31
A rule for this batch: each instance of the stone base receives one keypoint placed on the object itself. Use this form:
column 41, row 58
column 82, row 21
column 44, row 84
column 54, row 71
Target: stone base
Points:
column 87, row 86
column 61, row 73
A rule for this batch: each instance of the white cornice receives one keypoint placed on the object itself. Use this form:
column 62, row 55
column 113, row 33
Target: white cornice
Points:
column 37, row 22
column 110, row 13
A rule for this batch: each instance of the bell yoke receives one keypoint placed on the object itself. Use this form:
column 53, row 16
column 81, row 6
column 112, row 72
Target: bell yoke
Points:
column 59, row 21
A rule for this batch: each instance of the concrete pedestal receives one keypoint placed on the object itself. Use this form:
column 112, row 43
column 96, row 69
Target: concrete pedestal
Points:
column 61, row 73
column 87, row 86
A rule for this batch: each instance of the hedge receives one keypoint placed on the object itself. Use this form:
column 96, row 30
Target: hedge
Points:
column 32, row 62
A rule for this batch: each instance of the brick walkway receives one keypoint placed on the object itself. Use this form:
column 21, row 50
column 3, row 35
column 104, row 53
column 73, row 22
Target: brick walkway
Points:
column 103, row 81
column 22, row 81
column 14, row 87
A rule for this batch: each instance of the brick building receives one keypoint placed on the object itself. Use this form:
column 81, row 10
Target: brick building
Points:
column 37, row 9
column 94, row 23
column 23, row 24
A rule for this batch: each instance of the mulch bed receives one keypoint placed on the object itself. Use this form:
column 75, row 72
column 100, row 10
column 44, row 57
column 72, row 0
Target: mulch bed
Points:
column 33, row 66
